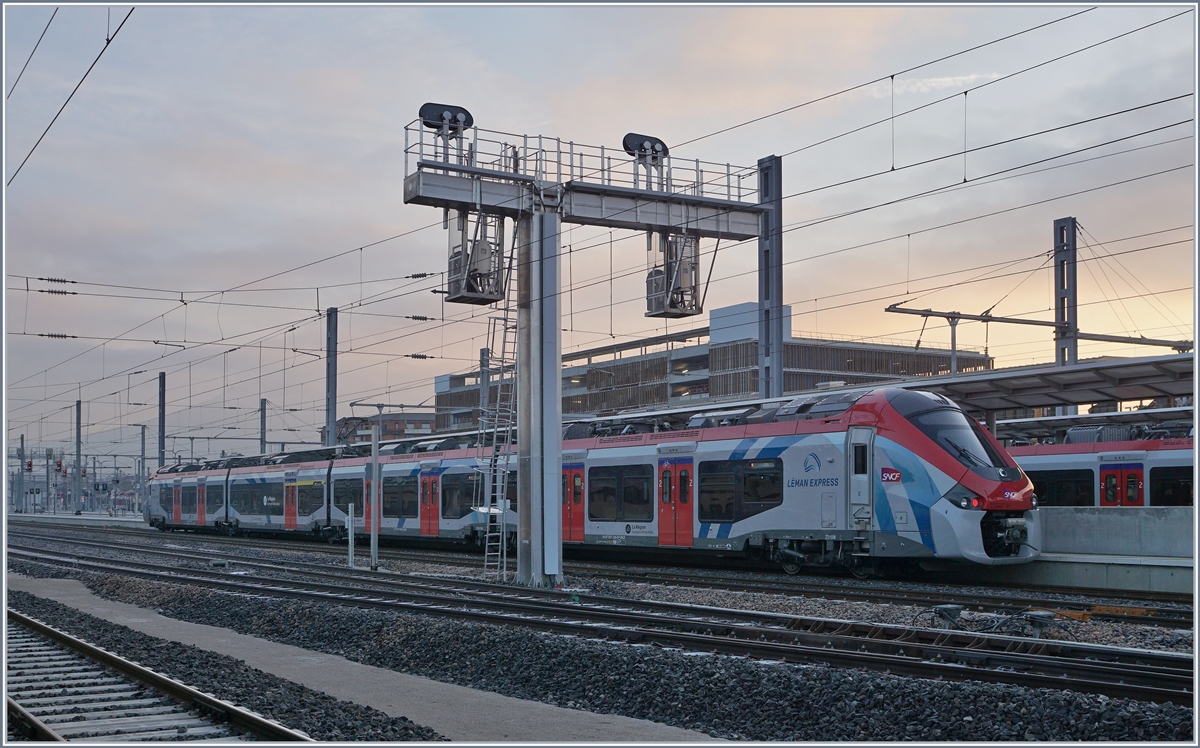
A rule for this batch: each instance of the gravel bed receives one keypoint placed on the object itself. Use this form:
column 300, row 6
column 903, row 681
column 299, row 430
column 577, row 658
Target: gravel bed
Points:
column 1109, row 633
column 320, row 716
column 726, row 697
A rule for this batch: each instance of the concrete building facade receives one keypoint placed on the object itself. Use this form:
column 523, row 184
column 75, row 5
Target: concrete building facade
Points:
column 709, row 364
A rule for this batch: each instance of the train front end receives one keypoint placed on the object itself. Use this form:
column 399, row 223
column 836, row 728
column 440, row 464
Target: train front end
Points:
column 978, row 505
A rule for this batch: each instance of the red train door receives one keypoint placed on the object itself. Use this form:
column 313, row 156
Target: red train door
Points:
column 200, row 493
column 289, row 500
column 177, row 501
column 572, row 504
column 684, row 503
column 675, row 502
column 1122, row 485
column 430, row 505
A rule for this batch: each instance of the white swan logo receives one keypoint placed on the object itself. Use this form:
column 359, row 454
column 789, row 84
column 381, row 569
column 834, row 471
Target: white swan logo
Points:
column 812, row 463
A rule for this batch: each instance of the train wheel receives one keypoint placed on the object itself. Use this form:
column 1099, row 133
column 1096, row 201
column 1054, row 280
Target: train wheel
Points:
column 864, row 571
column 791, row 568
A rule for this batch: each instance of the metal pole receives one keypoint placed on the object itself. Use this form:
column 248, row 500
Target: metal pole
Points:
column 77, row 478
column 550, row 392
column 141, row 488
column 262, row 426
column 770, row 278
column 376, row 493
column 1066, row 308
column 331, row 331
column 50, row 497
column 525, row 394
column 21, row 474
column 350, row 531
column 162, row 419
column 953, row 346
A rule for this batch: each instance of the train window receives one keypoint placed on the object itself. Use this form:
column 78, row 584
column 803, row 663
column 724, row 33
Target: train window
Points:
column 602, row 493
column 961, row 437
column 564, row 495
column 860, row 459
column 578, row 488
column 732, row 490
column 1171, row 486
column 510, row 491
column 241, row 498
column 637, row 493
column 187, row 504
column 685, row 488
column 214, row 497
column 621, row 493
column 400, row 496
column 665, row 493
column 257, row 498
column 1132, row 494
column 460, row 493
column 347, row 491
column 270, row 496
column 1110, row 489
column 1064, row 487
column 310, row 498
column 717, row 490
column 763, row 487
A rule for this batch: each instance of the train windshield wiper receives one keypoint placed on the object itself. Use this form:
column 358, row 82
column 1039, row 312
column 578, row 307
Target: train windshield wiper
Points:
column 967, row 454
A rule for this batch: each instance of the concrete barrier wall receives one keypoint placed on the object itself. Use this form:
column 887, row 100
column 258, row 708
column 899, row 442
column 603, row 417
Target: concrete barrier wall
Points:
column 1164, row 531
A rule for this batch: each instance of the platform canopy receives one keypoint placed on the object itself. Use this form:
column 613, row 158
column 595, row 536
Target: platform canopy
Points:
column 1047, row 386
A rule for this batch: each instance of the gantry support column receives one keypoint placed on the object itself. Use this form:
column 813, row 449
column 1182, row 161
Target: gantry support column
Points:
column 770, row 278
column 1066, row 306
column 539, row 401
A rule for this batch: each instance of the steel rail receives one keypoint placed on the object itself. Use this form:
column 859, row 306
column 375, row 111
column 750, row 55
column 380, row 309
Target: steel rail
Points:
column 1136, row 674
column 221, row 711
column 34, row 727
column 1077, row 610
column 1142, row 615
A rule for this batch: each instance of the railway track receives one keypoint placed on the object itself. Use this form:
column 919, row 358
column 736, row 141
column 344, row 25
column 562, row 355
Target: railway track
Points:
column 929, row 653
column 1140, row 614
column 63, row 689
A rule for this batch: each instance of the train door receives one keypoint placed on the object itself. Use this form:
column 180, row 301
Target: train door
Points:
column 201, row 491
column 675, row 502
column 859, row 458
column 430, row 504
column 572, row 504
column 177, row 502
column 1122, row 485
column 368, row 497
column 289, row 500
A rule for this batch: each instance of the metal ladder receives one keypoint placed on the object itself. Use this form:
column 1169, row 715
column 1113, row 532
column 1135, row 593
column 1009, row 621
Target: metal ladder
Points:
column 497, row 418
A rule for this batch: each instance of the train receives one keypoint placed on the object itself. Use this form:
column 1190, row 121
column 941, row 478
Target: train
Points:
column 1113, row 466
column 864, row 480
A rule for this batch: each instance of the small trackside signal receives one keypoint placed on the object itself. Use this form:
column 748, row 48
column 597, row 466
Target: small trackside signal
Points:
column 29, row 466
column 58, row 465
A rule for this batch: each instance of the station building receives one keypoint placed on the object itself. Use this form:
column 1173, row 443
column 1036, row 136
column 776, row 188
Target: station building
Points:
column 707, row 364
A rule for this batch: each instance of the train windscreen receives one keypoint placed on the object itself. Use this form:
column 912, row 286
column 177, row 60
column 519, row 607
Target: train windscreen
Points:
column 952, row 430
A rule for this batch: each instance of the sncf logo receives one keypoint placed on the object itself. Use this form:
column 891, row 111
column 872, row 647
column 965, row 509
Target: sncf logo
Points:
column 891, row 475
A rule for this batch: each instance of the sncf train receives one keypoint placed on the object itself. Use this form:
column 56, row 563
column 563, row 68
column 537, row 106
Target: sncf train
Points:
column 1125, row 473
column 859, row 479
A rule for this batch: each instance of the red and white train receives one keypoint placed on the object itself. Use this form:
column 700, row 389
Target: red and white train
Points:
column 855, row 479
column 1128, row 473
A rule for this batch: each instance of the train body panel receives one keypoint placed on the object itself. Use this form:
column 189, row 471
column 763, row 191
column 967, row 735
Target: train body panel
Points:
column 849, row 480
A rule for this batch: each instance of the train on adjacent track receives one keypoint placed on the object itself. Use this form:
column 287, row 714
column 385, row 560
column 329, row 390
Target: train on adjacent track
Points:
column 862, row 480
column 1111, row 473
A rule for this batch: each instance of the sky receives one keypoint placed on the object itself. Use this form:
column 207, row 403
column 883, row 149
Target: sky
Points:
column 223, row 173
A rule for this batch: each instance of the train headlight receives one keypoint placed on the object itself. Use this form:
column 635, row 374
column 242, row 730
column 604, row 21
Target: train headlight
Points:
column 963, row 498
column 1033, row 499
